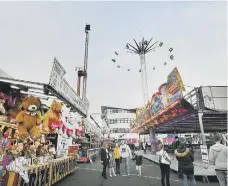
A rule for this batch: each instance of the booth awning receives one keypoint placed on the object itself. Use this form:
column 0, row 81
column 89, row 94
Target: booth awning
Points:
column 182, row 117
column 41, row 90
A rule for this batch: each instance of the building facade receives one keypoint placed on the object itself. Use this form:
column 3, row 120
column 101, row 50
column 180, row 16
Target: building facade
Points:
column 118, row 121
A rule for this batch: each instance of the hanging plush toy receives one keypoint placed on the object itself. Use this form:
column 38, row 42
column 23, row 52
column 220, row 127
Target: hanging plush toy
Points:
column 70, row 132
column 8, row 133
column 64, row 129
column 1, row 131
column 29, row 119
column 52, row 119
column 74, row 135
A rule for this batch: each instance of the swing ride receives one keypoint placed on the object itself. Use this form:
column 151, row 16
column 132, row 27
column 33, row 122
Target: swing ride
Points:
column 114, row 60
column 142, row 48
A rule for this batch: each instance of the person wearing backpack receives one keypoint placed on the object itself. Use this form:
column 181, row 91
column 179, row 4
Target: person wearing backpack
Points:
column 164, row 163
column 185, row 164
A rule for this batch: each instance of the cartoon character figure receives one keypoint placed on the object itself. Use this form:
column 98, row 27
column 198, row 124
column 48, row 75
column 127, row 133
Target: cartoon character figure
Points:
column 157, row 104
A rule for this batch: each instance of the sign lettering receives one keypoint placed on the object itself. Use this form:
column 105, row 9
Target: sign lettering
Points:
column 47, row 174
column 58, row 82
column 42, row 175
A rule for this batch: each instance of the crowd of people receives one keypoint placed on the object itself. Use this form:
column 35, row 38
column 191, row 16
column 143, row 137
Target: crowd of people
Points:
column 122, row 154
column 185, row 158
column 114, row 157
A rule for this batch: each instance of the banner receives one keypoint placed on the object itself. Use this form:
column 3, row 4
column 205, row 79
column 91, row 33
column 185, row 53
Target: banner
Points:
column 61, row 86
column 62, row 145
column 168, row 93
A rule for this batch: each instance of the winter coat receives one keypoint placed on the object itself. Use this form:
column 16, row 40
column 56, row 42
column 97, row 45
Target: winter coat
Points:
column 218, row 156
column 185, row 161
column 104, row 156
column 111, row 161
column 138, row 159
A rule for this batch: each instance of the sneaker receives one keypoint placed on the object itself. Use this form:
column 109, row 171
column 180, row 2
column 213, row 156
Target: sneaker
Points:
column 114, row 174
column 110, row 176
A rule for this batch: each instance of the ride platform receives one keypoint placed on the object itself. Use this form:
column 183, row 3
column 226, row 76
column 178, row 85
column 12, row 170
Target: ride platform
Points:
column 199, row 169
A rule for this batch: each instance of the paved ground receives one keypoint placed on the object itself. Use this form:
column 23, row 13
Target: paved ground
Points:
column 90, row 175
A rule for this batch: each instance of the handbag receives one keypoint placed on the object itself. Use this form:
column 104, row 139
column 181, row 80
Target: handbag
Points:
column 121, row 159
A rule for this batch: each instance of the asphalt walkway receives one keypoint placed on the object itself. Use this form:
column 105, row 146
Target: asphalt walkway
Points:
column 90, row 175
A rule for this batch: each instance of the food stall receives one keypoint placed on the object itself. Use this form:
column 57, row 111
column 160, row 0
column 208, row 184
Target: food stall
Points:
column 38, row 124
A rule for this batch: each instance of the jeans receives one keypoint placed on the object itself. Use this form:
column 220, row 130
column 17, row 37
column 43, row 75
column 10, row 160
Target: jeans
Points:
column 190, row 178
column 126, row 165
column 222, row 177
column 117, row 166
column 139, row 169
column 104, row 169
column 165, row 171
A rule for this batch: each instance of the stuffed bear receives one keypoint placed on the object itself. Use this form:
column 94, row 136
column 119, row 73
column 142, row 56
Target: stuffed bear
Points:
column 29, row 119
column 52, row 118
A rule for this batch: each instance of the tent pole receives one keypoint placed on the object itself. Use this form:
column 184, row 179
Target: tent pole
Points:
column 200, row 115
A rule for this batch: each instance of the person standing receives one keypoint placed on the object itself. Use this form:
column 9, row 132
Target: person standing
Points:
column 125, row 153
column 105, row 159
column 111, row 164
column 218, row 156
column 176, row 143
column 185, row 164
column 138, row 159
column 117, row 158
column 164, row 163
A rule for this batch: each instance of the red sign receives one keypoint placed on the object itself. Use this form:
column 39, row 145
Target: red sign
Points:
column 168, row 141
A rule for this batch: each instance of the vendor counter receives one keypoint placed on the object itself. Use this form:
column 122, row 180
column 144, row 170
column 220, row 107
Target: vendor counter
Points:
column 43, row 174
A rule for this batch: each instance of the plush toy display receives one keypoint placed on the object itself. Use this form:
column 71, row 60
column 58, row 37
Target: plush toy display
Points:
column 29, row 119
column 8, row 133
column 2, row 108
column 19, row 166
column 52, row 119
column 1, row 131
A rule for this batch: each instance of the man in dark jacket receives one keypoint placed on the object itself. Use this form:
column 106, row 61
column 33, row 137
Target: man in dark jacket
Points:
column 176, row 143
column 105, row 159
column 185, row 163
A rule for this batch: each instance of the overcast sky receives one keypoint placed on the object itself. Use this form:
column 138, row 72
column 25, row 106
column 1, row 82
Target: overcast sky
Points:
column 32, row 33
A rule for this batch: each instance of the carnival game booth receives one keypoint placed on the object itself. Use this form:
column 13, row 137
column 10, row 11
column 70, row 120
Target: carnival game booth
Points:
column 38, row 123
column 90, row 146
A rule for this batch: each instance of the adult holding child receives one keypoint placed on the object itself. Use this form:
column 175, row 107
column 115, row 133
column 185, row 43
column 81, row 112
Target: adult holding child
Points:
column 117, row 158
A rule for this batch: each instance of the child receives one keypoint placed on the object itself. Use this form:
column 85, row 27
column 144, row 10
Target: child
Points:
column 111, row 164
column 138, row 159
column 164, row 162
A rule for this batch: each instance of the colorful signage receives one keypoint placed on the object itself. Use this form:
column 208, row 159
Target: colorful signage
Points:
column 168, row 93
column 58, row 82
